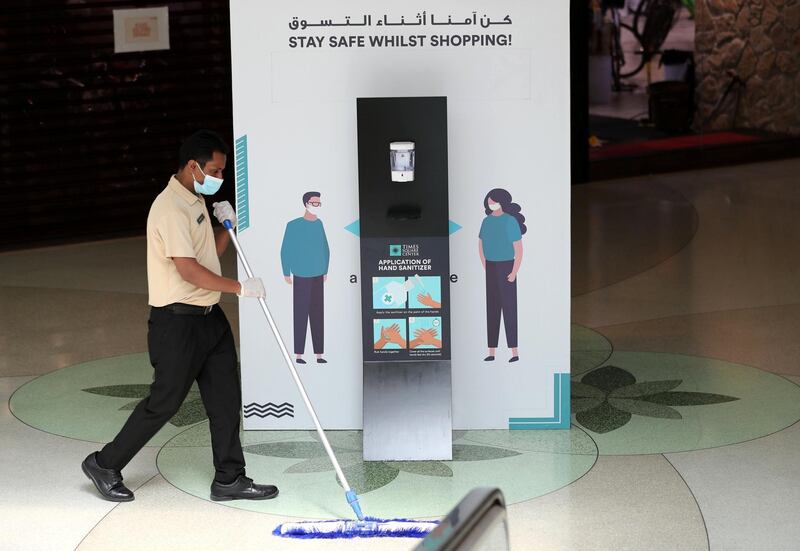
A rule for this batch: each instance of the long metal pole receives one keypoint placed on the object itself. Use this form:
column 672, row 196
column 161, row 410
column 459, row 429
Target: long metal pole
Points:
column 352, row 499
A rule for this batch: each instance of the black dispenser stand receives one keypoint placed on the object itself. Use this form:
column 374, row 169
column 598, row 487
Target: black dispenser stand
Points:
column 404, row 229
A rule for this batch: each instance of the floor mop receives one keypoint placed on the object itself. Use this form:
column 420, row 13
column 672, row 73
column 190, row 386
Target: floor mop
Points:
column 362, row 527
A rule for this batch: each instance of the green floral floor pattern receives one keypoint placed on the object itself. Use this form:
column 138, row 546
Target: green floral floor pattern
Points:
column 643, row 403
column 92, row 400
column 524, row 466
column 628, row 402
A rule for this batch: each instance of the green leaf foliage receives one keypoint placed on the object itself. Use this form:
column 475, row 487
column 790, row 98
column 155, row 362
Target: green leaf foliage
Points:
column 344, row 439
column 584, row 404
column 369, row 475
column 190, row 412
column 647, row 409
column 323, row 463
column 605, row 399
column 608, row 378
column 688, row 398
column 425, row 468
column 646, row 388
column 581, row 390
column 288, row 450
column 120, row 391
column 690, row 5
column 467, row 452
column 603, row 418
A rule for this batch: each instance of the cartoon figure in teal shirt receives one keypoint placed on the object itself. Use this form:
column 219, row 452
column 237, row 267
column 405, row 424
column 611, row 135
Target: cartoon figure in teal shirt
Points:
column 500, row 250
column 304, row 258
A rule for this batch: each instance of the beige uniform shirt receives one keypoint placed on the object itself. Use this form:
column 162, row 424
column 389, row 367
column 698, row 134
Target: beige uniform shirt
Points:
column 179, row 225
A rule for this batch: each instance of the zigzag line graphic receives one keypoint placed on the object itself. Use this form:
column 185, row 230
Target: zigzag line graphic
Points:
column 268, row 407
column 269, row 411
column 269, row 414
column 268, row 404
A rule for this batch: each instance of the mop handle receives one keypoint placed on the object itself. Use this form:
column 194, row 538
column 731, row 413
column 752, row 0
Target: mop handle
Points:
column 289, row 363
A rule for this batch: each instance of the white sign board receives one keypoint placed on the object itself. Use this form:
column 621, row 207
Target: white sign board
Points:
column 503, row 65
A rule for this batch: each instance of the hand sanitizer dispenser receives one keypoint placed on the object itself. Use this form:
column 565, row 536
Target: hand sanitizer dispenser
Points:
column 401, row 160
column 404, row 233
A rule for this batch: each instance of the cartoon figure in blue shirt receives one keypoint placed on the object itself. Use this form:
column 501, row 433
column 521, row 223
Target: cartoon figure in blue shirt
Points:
column 304, row 258
column 500, row 249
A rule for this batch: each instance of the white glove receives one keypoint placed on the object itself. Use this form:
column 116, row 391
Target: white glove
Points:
column 224, row 211
column 252, row 287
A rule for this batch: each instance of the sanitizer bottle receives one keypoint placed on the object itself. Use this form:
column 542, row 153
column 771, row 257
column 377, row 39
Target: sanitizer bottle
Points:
column 401, row 159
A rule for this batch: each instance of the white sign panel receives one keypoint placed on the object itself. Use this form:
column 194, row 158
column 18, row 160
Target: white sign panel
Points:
column 503, row 65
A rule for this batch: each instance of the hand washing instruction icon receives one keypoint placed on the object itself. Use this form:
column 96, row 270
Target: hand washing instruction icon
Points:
column 392, row 292
column 396, row 293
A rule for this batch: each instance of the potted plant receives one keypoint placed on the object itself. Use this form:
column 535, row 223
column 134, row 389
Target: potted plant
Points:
column 689, row 4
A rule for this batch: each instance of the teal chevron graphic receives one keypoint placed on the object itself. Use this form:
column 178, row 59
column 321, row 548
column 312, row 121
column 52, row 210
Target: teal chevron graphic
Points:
column 561, row 409
column 354, row 228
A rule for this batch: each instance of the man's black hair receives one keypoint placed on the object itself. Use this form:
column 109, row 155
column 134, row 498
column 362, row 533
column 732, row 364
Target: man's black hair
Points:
column 309, row 194
column 200, row 147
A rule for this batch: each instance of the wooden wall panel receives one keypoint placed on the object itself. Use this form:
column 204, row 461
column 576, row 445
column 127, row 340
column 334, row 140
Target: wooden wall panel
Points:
column 88, row 137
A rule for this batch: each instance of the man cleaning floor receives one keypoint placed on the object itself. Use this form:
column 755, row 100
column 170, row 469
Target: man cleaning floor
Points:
column 189, row 338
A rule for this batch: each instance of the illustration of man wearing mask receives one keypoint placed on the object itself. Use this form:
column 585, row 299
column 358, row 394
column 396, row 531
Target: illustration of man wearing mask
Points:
column 304, row 258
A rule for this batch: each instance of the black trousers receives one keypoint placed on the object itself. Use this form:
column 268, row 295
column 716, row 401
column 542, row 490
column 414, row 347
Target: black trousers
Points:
column 309, row 308
column 184, row 348
column 501, row 299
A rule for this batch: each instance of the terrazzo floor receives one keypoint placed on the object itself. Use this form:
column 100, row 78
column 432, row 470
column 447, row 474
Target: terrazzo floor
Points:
column 685, row 395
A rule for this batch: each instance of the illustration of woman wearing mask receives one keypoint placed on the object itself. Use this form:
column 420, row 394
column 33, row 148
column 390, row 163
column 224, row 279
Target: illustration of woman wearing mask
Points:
column 500, row 250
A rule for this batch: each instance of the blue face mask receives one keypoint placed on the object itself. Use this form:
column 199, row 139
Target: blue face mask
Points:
column 210, row 185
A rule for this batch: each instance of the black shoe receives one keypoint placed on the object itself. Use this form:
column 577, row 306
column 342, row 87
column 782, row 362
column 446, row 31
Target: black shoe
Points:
column 107, row 481
column 322, row 361
column 300, row 361
column 488, row 359
column 513, row 359
column 241, row 488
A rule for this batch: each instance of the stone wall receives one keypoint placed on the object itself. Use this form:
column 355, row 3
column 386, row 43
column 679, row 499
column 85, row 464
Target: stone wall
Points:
column 758, row 40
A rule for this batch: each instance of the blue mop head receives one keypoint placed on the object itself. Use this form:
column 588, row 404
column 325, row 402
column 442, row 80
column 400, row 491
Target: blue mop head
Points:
column 368, row 528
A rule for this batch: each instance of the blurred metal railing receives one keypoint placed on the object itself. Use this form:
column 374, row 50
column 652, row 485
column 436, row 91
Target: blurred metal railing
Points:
column 477, row 523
